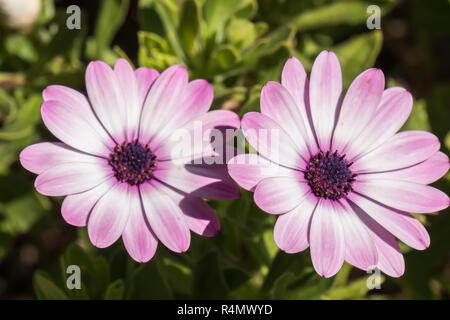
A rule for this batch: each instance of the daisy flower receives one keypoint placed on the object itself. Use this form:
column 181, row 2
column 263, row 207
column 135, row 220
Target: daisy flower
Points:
column 115, row 163
column 338, row 175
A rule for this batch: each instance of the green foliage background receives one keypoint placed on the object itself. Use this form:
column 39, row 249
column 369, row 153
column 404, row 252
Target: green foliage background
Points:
column 237, row 45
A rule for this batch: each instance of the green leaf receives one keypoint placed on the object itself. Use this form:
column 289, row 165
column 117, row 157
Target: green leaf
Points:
column 246, row 9
column 179, row 276
column 267, row 45
column 149, row 283
column 21, row 46
column 27, row 115
column 354, row 290
column 165, row 12
column 45, row 289
column 19, row 217
column 418, row 119
column 115, row 290
column 47, row 11
column 358, row 54
column 283, row 262
column 235, row 277
column 241, row 32
column 65, row 42
column 209, row 280
column 338, row 13
column 155, row 52
column 280, row 285
column 224, row 57
column 112, row 14
column 189, row 25
column 217, row 13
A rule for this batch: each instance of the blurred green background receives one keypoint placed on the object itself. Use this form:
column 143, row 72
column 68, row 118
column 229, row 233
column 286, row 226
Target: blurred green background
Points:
column 237, row 45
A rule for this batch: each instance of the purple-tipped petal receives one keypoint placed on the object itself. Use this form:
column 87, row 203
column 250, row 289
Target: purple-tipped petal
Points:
column 358, row 107
column 295, row 80
column 165, row 217
column 292, row 228
column 425, row 172
column 194, row 139
column 107, row 99
column 278, row 104
column 209, row 181
column 390, row 257
column 391, row 114
column 76, row 208
column 403, row 195
column 138, row 237
column 76, row 126
column 41, row 156
column 198, row 215
column 110, row 215
column 360, row 249
column 400, row 224
column 162, row 101
column 194, row 103
column 249, row 169
column 404, row 149
column 128, row 83
column 326, row 239
column 325, row 88
column 279, row 195
column 71, row 177
column 145, row 77
column 271, row 141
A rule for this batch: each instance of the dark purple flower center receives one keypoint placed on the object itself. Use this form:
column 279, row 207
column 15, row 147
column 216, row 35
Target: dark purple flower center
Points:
column 329, row 176
column 132, row 162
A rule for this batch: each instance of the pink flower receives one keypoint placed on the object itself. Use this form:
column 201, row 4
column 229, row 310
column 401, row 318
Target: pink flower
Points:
column 115, row 163
column 338, row 175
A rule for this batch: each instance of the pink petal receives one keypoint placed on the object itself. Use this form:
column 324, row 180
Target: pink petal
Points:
column 280, row 194
column 358, row 107
column 404, row 149
column 76, row 208
column 271, row 141
column 390, row 257
column 198, row 215
column 209, row 181
column 76, row 126
column 326, row 239
column 110, row 215
column 389, row 117
column 360, row 249
column 71, row 177
column 129, row 86
column 138, row 237
column 400, row 224
column 194, row 139
column 162, row 101
column 194, row 103
column 294, row 79
column 324, row 91
column 165, row 217
column 278, row 104
column 403, row 195
column 292, row 228
column 145, row 77
column 41, row 156
column 107, row 99
column 249, row 169
column 425, row 172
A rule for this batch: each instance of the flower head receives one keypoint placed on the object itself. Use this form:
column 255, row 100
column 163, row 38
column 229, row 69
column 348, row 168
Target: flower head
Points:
column 116, row 165
column 338, row 175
